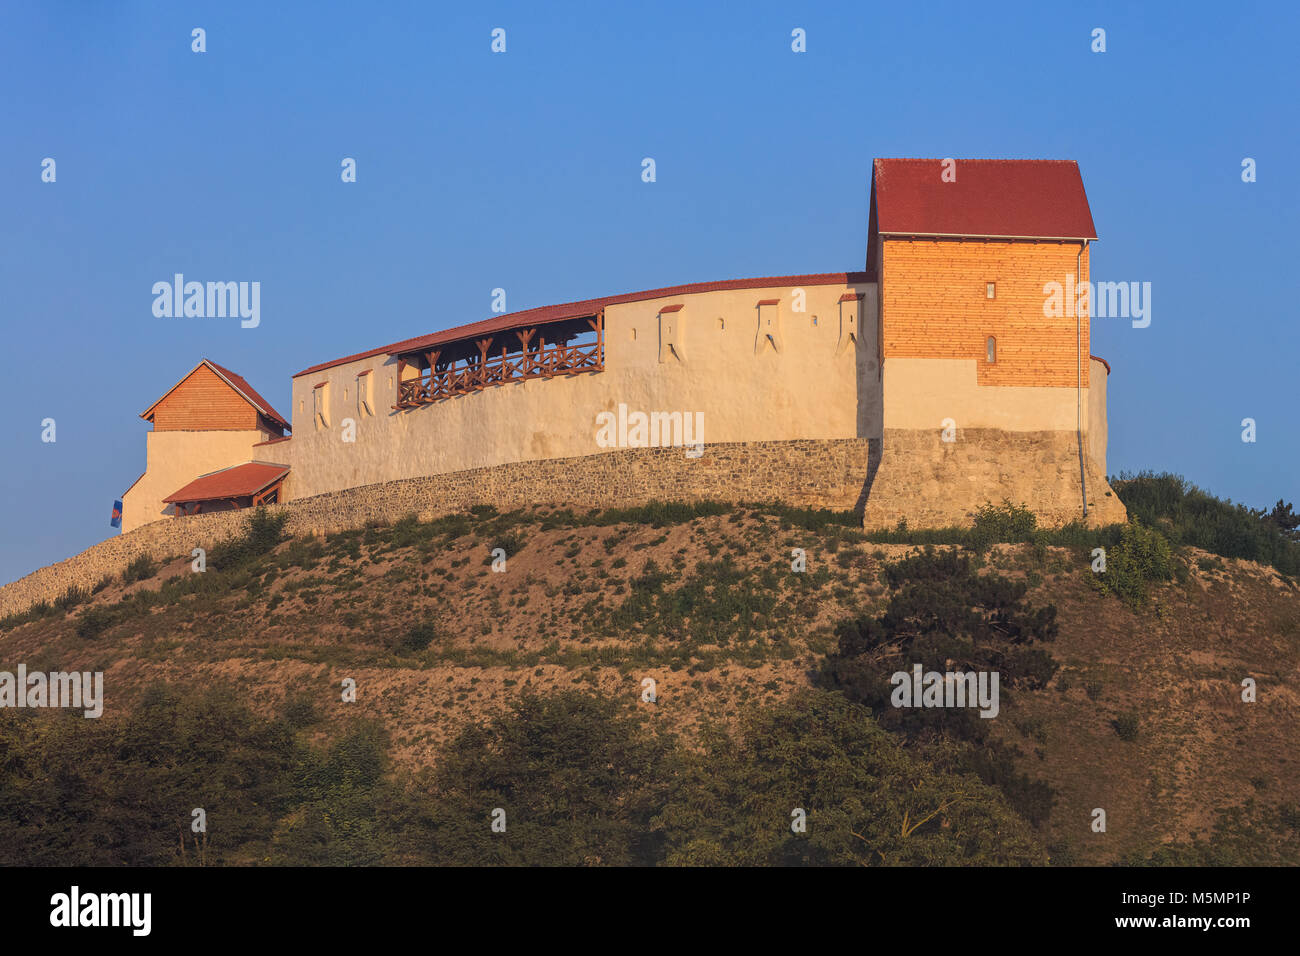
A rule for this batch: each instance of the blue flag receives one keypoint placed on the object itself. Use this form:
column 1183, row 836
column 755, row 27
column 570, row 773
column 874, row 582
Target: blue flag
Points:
column 116, row 521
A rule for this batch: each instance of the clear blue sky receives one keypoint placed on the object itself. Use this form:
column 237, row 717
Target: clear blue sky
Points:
column 522, row 171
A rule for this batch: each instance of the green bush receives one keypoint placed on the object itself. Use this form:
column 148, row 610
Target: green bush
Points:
column 416, row 639
column 300, row 710
column 262, row 532
column 94, row 621
column 70, row 599
column 406, row 532
column 511, row 542
column 578, row 776
column 943, row 610
column 139, row 569
column 1126, row 725
column 1188, row 515
column 868, row 799
column 1006, row 522
column 118, row 791
column 1142, row 558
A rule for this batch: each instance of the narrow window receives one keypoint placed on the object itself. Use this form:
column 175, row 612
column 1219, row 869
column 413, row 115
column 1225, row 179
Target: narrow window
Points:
column 991, row 347
column 722, row 324
column 989, row 290
column 321, row 405
column 634, row 335
column 365, row 393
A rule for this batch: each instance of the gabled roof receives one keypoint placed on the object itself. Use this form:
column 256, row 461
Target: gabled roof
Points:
column 234, row 482
column 988, row 198
column 586, row 307
column 236, row 382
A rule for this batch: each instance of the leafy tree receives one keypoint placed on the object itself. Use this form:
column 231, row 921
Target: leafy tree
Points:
column 867, row 800
column 1189, row 516
column 1283, row 518
column 577, row 776
column 121, row 791
column 948, row 618
column 345, row 810
column 945, row 617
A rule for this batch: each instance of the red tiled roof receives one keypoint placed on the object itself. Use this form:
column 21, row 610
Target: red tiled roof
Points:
column 251, row 393
column 273, row 441
column 233, row 482
column 1013, row 198
column 576, row 310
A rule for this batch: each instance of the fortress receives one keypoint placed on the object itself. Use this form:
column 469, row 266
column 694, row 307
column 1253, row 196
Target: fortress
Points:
column 916, row 390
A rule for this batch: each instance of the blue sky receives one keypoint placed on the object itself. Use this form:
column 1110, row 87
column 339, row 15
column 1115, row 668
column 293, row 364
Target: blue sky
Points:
column 522, row 170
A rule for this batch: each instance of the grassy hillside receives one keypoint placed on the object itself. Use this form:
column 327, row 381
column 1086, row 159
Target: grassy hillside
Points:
column 522, row 689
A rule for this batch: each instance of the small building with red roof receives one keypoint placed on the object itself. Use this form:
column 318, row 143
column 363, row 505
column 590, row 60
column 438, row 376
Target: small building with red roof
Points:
column 209, row 421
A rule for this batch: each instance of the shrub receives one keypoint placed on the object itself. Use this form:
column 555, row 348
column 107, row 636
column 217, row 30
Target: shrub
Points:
column 416, row 639
column 139, row 569
column 580, row 776
column 95, row 621
column 70, row 599
column 406, row 533
column 1142, row 558
column 869, row 799
column 300, row 710
column 1126, row 725
column 511, row 542
column 262, row 532
column 1002, row 523
column 1189, row 516
column 943, row 611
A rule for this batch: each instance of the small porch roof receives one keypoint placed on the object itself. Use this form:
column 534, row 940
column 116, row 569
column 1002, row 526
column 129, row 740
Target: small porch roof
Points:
column 238, row 481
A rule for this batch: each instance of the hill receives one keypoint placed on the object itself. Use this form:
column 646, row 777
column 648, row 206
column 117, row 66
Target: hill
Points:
column 524, row 690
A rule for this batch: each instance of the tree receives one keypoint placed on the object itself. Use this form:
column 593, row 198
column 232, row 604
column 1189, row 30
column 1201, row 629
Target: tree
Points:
column 866, row 800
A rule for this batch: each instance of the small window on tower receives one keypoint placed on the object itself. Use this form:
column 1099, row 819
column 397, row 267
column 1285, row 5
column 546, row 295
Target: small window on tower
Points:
column 990, row 291
column 991, row 349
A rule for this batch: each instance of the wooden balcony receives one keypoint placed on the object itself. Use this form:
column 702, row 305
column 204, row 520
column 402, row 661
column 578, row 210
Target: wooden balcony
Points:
column 447, row 377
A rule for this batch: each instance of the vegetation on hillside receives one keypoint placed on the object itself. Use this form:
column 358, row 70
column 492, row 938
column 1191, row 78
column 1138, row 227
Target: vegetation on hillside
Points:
column 1187, row 515
column 802, row 759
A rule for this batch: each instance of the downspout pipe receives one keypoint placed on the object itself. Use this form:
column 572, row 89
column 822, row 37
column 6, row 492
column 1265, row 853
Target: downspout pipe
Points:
column 1078, row 364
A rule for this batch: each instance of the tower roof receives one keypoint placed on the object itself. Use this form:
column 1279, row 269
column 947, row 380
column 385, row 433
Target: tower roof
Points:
column 988, row 198
column 237, row 382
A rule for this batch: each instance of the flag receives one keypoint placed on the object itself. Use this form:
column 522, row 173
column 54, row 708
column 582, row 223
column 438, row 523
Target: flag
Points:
column 116, row 521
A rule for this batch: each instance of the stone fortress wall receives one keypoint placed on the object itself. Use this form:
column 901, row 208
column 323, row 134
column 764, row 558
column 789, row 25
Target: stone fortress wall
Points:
column 813, row 473
column 793, row 410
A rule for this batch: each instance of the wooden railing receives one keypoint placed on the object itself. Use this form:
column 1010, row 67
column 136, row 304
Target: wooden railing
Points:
column 483, row 371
